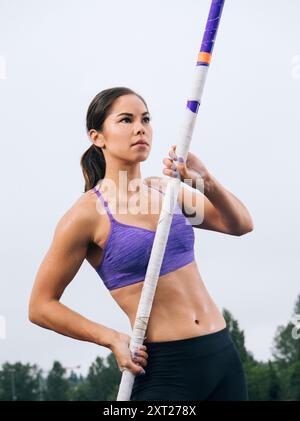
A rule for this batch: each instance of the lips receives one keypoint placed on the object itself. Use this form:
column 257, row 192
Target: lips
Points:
column 140, row 142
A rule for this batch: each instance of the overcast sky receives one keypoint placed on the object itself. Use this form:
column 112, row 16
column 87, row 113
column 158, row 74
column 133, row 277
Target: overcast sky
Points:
column 56, row 55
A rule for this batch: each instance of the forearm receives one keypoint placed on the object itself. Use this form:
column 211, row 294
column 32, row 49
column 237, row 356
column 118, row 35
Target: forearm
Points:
column 56, row 316
column 234, row 214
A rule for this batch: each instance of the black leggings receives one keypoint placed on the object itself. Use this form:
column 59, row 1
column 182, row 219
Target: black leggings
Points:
column 202, row 368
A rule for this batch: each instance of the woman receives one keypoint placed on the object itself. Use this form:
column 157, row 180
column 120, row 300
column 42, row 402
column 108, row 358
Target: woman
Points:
column 189, row 353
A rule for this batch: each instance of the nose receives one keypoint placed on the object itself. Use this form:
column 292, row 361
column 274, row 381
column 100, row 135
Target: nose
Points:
column 140, row 129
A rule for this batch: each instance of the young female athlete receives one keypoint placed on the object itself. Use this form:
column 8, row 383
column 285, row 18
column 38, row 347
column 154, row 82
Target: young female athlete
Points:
column 188, row 351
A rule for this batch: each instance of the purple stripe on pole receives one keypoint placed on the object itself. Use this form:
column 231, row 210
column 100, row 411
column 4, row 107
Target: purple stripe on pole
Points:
column 193, row 106
column 212, row 26
column 202, row 63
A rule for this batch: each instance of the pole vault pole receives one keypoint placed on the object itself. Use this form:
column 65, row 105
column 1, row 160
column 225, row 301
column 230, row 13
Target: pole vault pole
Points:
column 170, row 198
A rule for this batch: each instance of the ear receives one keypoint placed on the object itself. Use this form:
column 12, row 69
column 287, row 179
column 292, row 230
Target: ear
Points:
column 97, row 138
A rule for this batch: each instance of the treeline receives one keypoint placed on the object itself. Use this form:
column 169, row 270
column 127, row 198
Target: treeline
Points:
column 274, row 380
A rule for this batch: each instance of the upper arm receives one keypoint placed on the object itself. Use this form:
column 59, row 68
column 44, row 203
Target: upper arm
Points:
column 196, row 207
column 64, row 257
column 210, row 217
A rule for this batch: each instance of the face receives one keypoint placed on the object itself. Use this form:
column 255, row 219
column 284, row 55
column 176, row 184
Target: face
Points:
column 128, row 122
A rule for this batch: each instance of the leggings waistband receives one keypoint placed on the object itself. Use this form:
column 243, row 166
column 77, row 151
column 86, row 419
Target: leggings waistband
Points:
column 196, row 346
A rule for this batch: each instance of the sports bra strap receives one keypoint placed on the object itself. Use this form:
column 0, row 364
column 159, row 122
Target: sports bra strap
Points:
column 104, row 203
column 156, row 188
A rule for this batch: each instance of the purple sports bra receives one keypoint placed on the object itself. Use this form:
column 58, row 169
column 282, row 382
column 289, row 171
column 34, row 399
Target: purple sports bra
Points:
column 127, row 249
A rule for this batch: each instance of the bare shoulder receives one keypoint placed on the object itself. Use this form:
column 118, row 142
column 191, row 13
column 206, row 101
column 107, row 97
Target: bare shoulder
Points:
column 79, row 220
column 67, row 251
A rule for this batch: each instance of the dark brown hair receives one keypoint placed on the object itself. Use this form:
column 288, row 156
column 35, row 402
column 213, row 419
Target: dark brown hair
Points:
column 92, row 161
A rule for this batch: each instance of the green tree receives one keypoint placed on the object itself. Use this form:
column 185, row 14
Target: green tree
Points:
column 75, row 382
column 262, row 379
column 112, row 377
column 57, row 386
column 274, row 388
column 101, row 383
column 286, row 348
column 257, row 381
column 19, row 382
column 294, row 381
column 286, row 351
column 238, row 337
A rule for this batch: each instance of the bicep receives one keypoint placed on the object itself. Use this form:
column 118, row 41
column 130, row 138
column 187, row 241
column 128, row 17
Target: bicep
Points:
column 63, row 259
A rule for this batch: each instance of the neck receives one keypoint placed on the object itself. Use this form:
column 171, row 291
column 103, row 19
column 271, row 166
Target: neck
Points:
column 122, row 180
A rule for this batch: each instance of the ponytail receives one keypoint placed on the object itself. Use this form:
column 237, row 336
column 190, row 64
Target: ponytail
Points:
column 93, row 166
